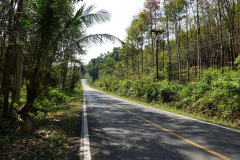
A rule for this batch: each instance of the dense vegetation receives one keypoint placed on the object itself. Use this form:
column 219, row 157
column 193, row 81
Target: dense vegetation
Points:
column 46, row 133
column 181, row 54
column 41, row 43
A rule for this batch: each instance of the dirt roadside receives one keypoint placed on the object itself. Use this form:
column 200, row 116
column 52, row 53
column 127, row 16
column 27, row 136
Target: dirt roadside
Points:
column 74, row 152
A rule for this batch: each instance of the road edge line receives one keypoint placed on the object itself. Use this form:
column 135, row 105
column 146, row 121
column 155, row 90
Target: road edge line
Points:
column 86, row 143
column 179, row 115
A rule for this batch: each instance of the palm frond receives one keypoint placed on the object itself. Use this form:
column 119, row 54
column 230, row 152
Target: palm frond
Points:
column 85, row 19
column 95, row 39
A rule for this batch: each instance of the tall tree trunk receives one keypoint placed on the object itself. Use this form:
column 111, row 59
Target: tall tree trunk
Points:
column 187, row 57
column 220, row 33
column 19, row 56
column 127, row 64
column 6, row 77
column 19, row 69
column 238, row 29
column 163, row 50
column 153, row 39
column 60, row 80
column 133, row 63
column 177, row 48
column 168, row 43
column 3, row 42
column 138, row 64
column 33, row 89
column 198, row 41
column 6, row 80
column 27, row 106
column 141, row 50
column 157, row 59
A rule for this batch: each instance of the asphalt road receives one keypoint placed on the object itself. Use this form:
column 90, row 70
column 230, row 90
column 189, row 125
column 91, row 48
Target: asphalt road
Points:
column 119, row 129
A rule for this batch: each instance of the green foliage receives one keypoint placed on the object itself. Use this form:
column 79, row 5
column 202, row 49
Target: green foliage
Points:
column 109, row 65
column 166, row 94
column 105, row 61
column 201, row 88
column 237, row 62
column 124, row 86
column 187, row 91
column 168, row 69
column 150, row 92
column 216, row 95
column 42, row 136
column 50, row 104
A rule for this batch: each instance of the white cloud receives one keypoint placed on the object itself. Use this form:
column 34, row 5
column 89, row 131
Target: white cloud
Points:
column 122, row 12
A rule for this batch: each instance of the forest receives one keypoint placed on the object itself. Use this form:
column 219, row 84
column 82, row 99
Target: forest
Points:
column 180, row 54
column 41, row 47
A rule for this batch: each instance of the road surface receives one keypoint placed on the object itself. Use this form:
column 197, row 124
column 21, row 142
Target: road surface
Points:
column 119, row 129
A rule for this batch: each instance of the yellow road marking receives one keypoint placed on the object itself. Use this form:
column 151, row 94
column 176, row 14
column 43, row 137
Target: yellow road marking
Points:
column 166, row 130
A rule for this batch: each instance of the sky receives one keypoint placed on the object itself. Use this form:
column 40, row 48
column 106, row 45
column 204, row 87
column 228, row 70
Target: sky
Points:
column 122, row 12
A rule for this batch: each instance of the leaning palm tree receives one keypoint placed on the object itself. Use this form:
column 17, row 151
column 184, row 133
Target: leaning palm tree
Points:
column 52, row 32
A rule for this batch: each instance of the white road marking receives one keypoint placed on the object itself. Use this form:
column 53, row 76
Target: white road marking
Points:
column 167, row 112
column 86, row 144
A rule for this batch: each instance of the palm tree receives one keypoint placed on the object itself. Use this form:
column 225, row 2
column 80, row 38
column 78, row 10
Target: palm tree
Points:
column 49, row 43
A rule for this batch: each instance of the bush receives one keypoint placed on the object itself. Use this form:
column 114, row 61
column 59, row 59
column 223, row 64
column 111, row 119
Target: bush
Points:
column 210, row 75
column 150, row 92
column 50, row 103
column 57, row 96
column 206, row 103
column 166, row 94
column 237, row 62
column 187, row 91
column 137, row 88
column 44, row 106
column 202, row 88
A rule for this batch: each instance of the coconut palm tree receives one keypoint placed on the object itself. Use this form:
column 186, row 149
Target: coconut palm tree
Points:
column 52, row 32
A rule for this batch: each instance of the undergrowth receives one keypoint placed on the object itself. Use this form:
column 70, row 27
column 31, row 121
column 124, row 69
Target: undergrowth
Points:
column 46, row 131
column 215, row 96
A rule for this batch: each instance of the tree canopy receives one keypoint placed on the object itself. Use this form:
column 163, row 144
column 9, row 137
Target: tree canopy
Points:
column 38, row 36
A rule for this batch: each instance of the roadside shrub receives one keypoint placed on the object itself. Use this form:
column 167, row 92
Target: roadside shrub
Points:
column 217, row 94
column 166, row 94
column 187, row 91
column 114, row 85
column 109, row 83
column 124, row 86
column 137, row 88
column 185, row 102
column 233, row 89
column 210, row 75
column 224, row 112
column 237, row 62
column 150, row 92
column 44, row 106
column 206, row 103
column 57, row 97
column 50, row 103
column 202, row 88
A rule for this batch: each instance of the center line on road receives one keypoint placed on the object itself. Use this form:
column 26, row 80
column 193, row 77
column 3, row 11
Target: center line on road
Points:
column 166, row 130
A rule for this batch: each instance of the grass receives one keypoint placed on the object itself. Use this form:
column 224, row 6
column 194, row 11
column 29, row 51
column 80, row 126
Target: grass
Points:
column 44, row 136
column 168, row 108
